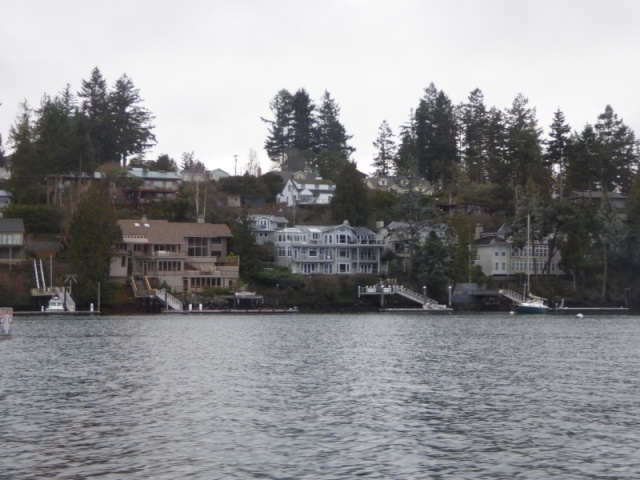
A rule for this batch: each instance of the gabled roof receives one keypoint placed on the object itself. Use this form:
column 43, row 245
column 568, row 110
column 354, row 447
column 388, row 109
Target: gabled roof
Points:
column 11, row 225
column 163, row 231
column 151, row 174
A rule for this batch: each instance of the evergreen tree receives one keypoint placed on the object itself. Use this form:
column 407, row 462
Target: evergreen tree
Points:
column 94, row 97
column 130, row 120
column 474, row 130
column 243, row 244
column 619, row 156
column 25, row 182
column 436, row 138
column 330, row 133
column 524, row 152
column 386, row 150
column 496, row 142
column 583, row 170
column 558, row 148
column 279, row 136
column 350, row 199
column 93, row 231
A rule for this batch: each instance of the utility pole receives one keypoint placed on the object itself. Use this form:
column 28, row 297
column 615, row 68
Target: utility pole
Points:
column 235, row 167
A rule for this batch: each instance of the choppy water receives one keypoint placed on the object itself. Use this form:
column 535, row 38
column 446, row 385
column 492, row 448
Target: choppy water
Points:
column 321, row 396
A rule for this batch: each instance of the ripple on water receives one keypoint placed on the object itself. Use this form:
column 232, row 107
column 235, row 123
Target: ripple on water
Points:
column 318, row 396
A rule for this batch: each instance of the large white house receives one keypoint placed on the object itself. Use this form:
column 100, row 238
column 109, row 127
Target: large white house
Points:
column 329, row 250
column 497, row 256
column 306, row 190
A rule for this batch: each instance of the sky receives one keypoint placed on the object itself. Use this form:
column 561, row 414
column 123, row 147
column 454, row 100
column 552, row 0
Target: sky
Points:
column 208, row 69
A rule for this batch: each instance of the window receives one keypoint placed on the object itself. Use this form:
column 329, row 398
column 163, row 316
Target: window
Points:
column 328, row 239
column 341, row 238
column 198, row 247
column 328, row 268
column 343, row 253
column 313, row 252
column 308, row 268
column 343, row 268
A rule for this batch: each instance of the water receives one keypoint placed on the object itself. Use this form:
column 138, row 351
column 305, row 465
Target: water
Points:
column 321, row 396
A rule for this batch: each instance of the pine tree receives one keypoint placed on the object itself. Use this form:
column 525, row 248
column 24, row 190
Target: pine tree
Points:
column 474, row 126
column 386, row 151
column 93, row 231
column 350, row 199
column 619, row 156
column 558, row 148
column 279, row 137
column 131, row 121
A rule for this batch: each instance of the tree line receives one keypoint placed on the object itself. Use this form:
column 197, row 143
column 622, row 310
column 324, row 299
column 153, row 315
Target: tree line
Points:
column 78, row 132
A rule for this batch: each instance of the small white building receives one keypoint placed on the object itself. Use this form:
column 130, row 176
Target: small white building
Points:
column 306, row 190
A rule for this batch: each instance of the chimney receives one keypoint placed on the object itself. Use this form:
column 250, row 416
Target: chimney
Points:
column 479, row 230
column 200, row 218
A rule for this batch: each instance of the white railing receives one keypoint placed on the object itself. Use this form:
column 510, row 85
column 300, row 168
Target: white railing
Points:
column 396, row 289
column 67, row 301
column 169, row 300
column 513, row 296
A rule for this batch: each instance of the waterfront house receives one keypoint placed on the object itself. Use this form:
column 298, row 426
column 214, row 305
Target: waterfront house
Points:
column 329, row 250
column 183, row 256
column 498, row 257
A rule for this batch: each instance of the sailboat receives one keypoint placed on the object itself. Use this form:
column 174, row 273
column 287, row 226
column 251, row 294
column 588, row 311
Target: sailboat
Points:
column 531, row 303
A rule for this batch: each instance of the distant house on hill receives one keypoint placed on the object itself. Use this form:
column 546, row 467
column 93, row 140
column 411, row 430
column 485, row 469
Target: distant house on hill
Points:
column 592, row 197
column 398, row 185
column 217, row 173
column 155, row 186
column 306, row 189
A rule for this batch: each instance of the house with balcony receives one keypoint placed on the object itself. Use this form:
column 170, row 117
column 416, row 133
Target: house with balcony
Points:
column 152, row 186
column 183, row 256
column 12, row 242
column 329, row 250
column 306, row 189
column 264, row 227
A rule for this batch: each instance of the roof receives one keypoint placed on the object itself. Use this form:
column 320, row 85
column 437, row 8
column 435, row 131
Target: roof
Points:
column 11, row 225
column 160, row 175
column 163, row 231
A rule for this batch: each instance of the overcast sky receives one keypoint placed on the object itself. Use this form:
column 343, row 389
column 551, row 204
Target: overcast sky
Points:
column 207, row 69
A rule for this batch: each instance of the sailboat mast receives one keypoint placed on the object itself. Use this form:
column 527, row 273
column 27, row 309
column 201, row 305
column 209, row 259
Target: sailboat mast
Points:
column 528, row 250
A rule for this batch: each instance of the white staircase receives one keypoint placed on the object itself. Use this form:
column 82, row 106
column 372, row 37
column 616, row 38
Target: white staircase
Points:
column 169, row 300
column 67, row 301
column 513, row 296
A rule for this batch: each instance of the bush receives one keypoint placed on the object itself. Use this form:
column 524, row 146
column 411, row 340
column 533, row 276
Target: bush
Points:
column 36, row 218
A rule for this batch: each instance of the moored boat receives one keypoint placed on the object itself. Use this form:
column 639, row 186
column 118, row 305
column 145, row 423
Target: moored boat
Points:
column 55, row 305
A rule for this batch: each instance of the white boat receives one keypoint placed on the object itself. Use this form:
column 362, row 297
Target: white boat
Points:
column 55, row 305
column 531, row 303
